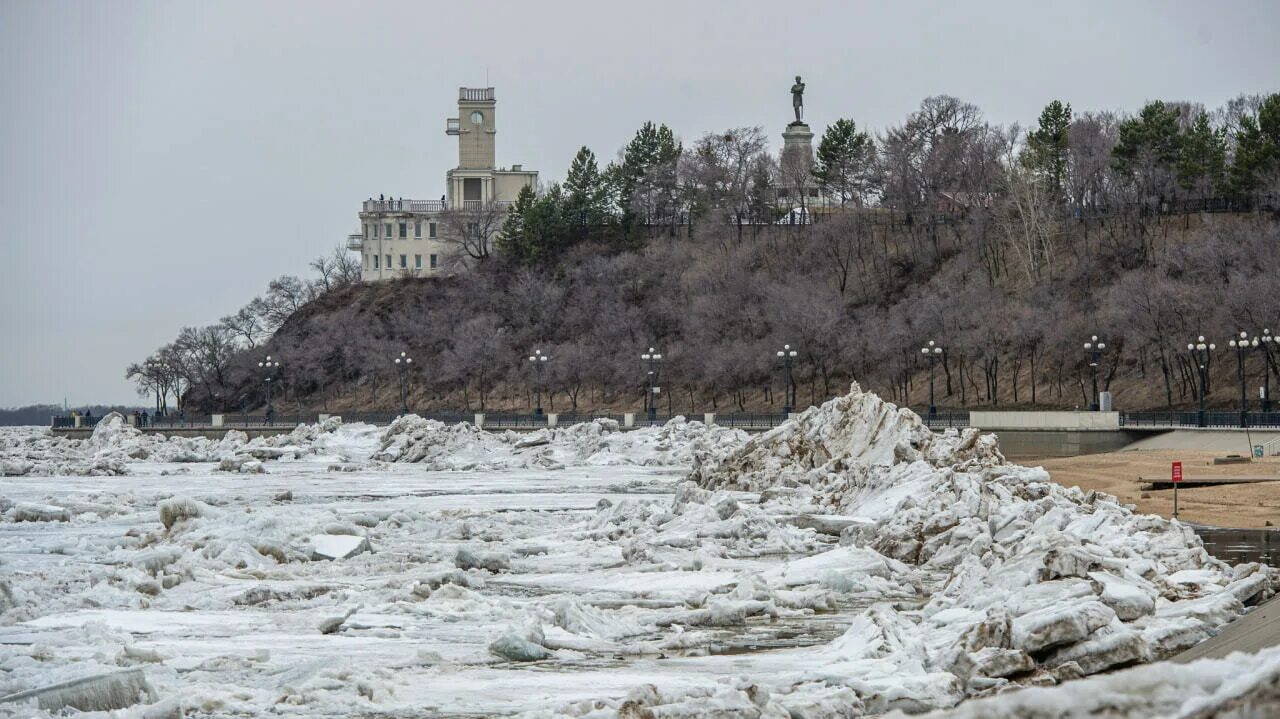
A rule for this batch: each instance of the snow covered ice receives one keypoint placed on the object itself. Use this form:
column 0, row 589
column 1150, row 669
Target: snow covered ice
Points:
column 846, row 563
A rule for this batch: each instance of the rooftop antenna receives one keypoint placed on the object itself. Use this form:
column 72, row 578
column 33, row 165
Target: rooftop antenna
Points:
column 486, row 76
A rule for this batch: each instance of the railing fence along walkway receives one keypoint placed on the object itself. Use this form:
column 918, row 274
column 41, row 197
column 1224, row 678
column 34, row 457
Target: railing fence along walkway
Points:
column 1215, row 418
column 1183, row 419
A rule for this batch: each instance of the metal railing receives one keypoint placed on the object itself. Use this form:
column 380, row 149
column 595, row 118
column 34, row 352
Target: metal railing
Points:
column 567, row 418
column 174, row 420
column 944, row 420
column 514, row 421
column 749, row 420
column 643, row 420
column 742, row 420
column 1215, row 418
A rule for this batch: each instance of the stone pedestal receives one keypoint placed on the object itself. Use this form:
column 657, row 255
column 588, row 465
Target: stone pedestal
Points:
column 796, row 165
column 797, row 144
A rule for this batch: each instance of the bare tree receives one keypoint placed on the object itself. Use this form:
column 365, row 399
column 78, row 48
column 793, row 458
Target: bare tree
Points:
column 471, row 229
column 336, row 269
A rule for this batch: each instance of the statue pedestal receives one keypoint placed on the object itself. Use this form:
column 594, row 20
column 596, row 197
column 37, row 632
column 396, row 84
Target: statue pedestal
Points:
column 797, row 144
column 796, row 184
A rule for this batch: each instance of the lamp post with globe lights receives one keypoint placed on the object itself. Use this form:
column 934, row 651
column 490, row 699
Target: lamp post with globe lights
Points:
column 154, row 369
column 1242, row 344
column 402, row 367
column 652, row 359
column 933, row 352
column 539, row 362
column 269, row 367
column 787, row 355
column 1265, row 342
column 1200, row 356
column 1093, row 351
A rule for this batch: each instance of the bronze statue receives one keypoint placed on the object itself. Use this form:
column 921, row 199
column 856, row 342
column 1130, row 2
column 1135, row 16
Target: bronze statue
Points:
column 797, row 99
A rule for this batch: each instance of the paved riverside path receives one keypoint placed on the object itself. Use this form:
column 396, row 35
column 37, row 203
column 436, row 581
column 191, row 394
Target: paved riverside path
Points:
column 1255, row 631
column 1189, row 482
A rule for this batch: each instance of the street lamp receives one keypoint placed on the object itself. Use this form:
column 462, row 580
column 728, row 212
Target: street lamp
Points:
column 402, row 366
column 651, row 359
column 1241, row 344
column 539, row 361
column 269, row 367
column 933, row 352
column 1266, row 340
column 787, row 355
column 1093, row 349
column 1200, row 356
column 154, row 368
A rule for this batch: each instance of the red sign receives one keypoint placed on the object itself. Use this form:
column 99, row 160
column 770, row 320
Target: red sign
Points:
column 1177, row 471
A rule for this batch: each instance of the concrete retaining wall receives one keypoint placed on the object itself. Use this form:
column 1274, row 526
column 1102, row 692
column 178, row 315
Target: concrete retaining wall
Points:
column 1045, row 420
column 1042, row 444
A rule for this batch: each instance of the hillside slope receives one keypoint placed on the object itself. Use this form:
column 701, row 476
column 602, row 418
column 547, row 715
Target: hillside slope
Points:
column 856, row 296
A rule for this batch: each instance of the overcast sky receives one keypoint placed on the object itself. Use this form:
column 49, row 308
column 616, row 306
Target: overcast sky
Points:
column 161, row 162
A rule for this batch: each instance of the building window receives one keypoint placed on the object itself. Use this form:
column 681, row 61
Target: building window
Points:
column 417, row 261
column 375, row 230
column 417, row 229
column 404, row 230
column 389, row 234
column 431, row 230
column 367, row 233
column 388, row 262
column 404, row 262
column 433, row 262
column 375, row 262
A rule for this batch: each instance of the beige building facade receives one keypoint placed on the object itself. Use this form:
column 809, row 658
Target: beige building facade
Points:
column 400, row 237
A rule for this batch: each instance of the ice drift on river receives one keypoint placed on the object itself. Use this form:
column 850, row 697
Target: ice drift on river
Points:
column 847, row 563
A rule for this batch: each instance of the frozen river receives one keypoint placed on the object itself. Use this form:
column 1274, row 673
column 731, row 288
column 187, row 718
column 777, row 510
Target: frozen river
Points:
column 240, row 630
column 849, row 563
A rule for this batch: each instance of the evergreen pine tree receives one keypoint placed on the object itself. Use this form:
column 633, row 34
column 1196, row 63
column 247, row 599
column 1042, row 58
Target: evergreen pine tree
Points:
column 1257, row 148
column 546, row 231
column 844, row 160
column 647, row 176
column 1147, row 149
column 1048, row 144
column 1202, row 158
column 585, row 196
column 512, row 241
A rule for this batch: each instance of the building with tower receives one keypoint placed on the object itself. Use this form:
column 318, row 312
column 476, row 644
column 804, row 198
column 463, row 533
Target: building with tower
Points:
column 400, row 237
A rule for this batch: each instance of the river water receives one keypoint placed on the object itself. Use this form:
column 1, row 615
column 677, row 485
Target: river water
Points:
column 1242, row 545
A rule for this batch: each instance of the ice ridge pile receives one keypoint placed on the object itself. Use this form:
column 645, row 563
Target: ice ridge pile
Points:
column 601, row 442
column 1027, row 581
column 981, row 575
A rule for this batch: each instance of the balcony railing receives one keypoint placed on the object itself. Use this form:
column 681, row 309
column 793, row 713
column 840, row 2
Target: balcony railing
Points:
column 452, row 126
column 402, row 205
column 475, row 94
column 355, row 242
column 475, row 205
